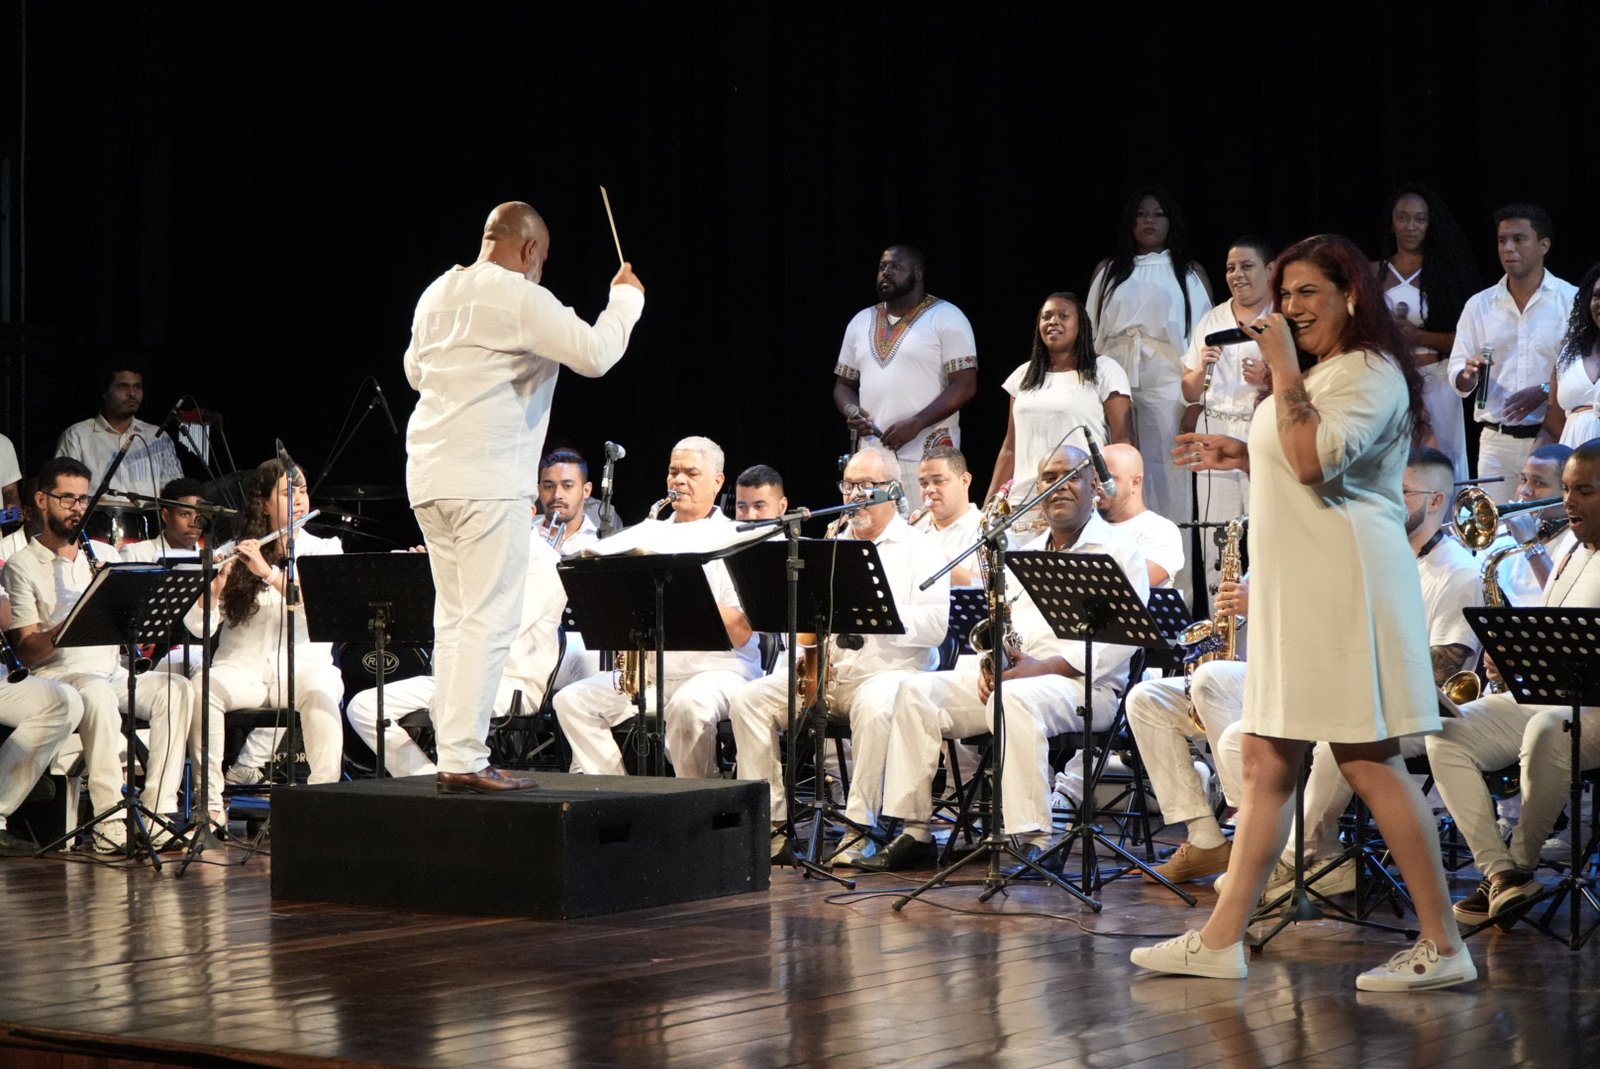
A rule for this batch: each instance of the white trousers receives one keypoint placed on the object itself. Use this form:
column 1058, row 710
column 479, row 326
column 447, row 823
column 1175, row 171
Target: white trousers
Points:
column 1491, row 733
column 42, row 713
column 760, row 710
column 318, row 690
column 163, row 699
column 933, row 706
column 590, row 708
column 1158, row 714
column 1444, row 407
column 1157, row 411
column 401, row 755
column 1502, row 455
column 478, row 551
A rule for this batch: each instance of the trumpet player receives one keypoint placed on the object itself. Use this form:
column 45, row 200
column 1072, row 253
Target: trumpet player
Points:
column 1494, row 731
column 1524, row 572
column 44, row 580
column 861, row 682
column 564, row 490
column 699, row 683
column 1045, row 688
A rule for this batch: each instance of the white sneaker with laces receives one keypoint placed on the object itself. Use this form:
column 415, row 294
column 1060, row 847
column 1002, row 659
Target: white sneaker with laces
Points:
column 1187, row 955
column 109, row 836
column 1421, row 968
column 240, row 776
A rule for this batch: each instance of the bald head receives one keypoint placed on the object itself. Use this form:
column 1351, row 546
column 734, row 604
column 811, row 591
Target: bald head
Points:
column 515, row 237
column 1127, row 469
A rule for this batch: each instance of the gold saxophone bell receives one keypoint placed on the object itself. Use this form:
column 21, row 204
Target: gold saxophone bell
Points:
column 1463, row 687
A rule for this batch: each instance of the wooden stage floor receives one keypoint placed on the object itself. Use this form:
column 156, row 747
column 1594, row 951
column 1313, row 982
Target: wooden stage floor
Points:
column 207, row 970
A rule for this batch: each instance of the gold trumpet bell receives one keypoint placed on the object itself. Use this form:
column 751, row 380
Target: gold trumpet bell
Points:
column 1463, row 687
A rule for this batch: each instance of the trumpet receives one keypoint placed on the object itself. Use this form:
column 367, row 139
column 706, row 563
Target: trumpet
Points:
column 552, row 532
column 1478, row 518
column 672, row 495
column 230, row 549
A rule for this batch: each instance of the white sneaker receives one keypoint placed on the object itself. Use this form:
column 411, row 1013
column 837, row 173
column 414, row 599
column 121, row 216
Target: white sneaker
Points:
column 109, row 836
column 239, row 776
column 1187, row 955
column 1340, row 880
column 1557, row 849
column 1420, row 969
column 1280, row 872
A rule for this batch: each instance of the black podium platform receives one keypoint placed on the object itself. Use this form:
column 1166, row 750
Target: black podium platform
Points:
column 578, row 846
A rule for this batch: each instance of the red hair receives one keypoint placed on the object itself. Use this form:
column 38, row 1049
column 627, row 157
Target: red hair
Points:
column 1371, row 326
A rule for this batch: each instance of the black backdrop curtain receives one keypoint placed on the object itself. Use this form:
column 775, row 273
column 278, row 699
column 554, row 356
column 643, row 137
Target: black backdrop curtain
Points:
column 251, row 199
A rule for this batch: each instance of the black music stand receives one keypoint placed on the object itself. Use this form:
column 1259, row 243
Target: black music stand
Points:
column 127, row 605
column 620, row 602
column 1086, row 596
column 387, row 596
column 1171, row 614
column 839, row 588
column 969, row 606
column 1550, row 656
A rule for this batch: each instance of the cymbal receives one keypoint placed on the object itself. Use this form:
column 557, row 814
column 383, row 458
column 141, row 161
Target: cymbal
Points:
column 361, row 492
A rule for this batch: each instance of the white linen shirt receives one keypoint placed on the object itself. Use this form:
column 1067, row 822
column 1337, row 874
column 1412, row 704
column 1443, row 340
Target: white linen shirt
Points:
column 955, row 536
column 909, row 557
column 149, row 465
column 1158, row 538
column 43, row 588
column 1525, row 341
column 1039, row 639
column 486, row 345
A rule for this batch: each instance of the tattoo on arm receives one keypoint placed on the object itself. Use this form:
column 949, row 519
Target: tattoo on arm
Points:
column 1294, row 407
column 1447, row 661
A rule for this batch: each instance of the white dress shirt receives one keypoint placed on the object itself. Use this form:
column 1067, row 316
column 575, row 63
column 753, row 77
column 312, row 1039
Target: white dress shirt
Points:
column 149, row 465
column 909, row 557
column 1526, row 342
column 43, row 588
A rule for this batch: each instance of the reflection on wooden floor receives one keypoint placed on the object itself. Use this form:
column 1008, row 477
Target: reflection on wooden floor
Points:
column 186, row 971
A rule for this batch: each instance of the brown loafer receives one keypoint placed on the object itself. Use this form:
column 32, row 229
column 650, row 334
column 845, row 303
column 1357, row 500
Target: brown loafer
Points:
column 491, row 779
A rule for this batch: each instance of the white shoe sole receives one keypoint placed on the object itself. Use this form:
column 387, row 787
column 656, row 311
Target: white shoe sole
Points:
column 1386, row 981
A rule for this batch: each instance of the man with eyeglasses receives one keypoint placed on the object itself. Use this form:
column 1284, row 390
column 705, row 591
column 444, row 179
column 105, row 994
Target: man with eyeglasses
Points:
column 862, row 680
column 44, row 581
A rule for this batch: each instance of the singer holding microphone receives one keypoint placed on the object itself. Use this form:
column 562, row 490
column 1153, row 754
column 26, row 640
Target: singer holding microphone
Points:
column 1063, row 384
column 1339, row 643
column 487, row 341
column 1218, row 386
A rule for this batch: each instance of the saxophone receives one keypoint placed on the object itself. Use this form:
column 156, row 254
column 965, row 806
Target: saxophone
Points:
column 815, row 678
column 979, row 639
column 627, row 666
column 1216, row 639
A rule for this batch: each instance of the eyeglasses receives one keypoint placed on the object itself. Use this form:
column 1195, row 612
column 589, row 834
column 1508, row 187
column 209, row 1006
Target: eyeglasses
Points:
column 72, row 501
column 848, row 487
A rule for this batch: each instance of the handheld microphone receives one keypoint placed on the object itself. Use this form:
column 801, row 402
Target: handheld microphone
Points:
column 853, row 411
column 1101, row 472
column 384, row 401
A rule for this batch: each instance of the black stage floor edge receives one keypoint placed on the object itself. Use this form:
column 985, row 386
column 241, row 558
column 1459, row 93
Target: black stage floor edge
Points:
column 577, row 846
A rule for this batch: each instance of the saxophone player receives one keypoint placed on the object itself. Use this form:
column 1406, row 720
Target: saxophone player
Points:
column 1044, row 689
column 699, row 683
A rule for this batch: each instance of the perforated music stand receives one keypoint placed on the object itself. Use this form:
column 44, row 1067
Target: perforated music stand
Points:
column 388, row 596
column 841, row 589
column 1171, row 614
column 1086, row 596
column 127, row 605
column 969, row 605
column 621, row 602
column 1551, row 656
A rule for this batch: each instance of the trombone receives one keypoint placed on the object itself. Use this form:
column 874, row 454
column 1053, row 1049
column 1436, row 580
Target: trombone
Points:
column 1477, row 518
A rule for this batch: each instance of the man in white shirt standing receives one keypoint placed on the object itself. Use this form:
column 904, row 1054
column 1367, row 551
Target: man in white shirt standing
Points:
column 907, row 365
column 486, row 343
column 150, row 462
column 1159, row 538
column 1044, row 690
column 1523, row 318
column 699, row 683
column 862, row 681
